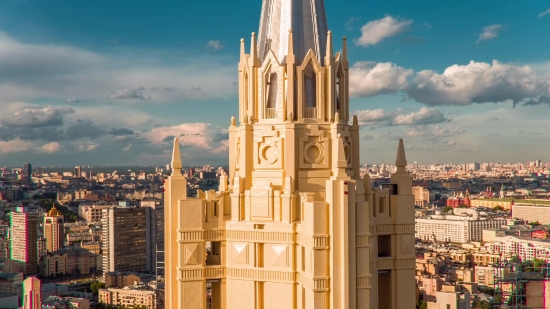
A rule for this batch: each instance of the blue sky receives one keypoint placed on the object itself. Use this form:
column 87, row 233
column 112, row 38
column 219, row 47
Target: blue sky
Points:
column 107, row 82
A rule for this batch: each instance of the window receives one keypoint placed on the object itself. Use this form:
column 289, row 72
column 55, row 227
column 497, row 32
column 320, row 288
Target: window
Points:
column 310, row 87
column 338, row 90
column 213, row 253
column 384, row 245
column 271, row 90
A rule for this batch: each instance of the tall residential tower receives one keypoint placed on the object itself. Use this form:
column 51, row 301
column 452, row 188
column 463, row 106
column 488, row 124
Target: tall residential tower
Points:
column 53, row 230
column 293, row 225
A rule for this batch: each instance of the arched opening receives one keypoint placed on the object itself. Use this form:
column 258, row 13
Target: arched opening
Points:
column 245, row 95
column 339, row 91
column 271, row 92
column 310, row 92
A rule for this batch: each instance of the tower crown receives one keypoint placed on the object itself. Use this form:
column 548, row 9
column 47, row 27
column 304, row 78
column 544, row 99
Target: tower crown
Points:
column 54, row 212
column 308, row 22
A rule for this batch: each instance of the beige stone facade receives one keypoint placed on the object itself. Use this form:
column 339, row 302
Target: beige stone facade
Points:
column 293, row 225
column 421, row 196
column 129, row 297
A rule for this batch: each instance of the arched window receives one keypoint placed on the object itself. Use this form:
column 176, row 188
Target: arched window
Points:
column 271, row 92
column 310, row 86
column 338, row 91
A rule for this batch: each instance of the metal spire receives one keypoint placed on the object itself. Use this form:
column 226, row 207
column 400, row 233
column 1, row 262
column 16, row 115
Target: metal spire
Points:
column 306, row 19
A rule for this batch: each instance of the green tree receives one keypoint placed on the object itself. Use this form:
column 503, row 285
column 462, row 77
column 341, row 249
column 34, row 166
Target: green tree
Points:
column 498, row 208
column 421, row 304
column 462, row 206
column 447, row 209
column 94, row 287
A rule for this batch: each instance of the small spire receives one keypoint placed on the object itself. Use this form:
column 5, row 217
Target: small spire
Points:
column 233, row 121
column 253, row 47
column 342, row 161
column 290, row 43
column 330, row 50
column 337, row 117
column 176, row 159
column 243, row 51
column 355, row 120
column 401, row 161
column 344, row 49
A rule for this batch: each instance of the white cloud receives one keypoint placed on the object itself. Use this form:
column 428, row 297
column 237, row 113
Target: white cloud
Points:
column 214, row 44
column 32, row 116
column 547, row 12
column 489, row 32
column 377, row 30
column 400, row 117
column 89, row 146
column 369, row 78
column 477, row 82
column 72, row 100
column 16, row 146
column 51, row 147
column 201, row 135
column 32, row 70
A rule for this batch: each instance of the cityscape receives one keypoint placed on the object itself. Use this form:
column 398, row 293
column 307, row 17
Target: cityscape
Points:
column 288, row 174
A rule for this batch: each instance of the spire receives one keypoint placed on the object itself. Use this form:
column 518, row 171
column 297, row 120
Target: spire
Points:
column 344, row 49
column 306, row 18
column 243, row 50
column 176, row 159
column 253, row 47
column 290, row 43
column 401, row 161
column 330, row 51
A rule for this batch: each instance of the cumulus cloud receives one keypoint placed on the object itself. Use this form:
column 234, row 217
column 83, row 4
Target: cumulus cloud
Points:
column 398, row 117
column 17, row 145
column 214, row 44
column 369, row 78
column 51, row 147
column 36, row 117
column 477, row 82
column 128, row 94
column 489, row 32
column 377, row 30
column 83, row 128
column 87, row 146
column 201, row 135
column 547, row 12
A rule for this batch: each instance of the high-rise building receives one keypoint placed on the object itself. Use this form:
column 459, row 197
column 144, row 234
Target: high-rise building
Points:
column 293, row 218
column 53, row 230
column 156, row 234
column 27, row 173
column 126, row 239
column 24, row 246
column 77, row 172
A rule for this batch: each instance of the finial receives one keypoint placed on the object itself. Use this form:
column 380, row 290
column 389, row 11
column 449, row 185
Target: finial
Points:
column 253, row 47
column 290, row 43
column 337, row 117
column 355, row 120
column 176, row 159
column 401, row 161
column 245, row 119
column 233, row 121
column 330, row 50
column 243, row 51
column 344, row 49
column 290, row 117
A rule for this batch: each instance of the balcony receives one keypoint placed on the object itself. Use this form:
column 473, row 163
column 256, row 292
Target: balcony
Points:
column 270, row 113
column 310, row 112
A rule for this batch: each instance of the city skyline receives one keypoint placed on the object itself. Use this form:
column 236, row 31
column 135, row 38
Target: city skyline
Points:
column 78, row 90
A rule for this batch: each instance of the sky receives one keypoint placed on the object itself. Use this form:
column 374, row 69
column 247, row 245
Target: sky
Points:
column 112, row 82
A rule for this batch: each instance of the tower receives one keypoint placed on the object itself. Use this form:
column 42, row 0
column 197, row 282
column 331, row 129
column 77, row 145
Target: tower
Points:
column 53, row 230
column 293, row 217
column 31, row 294
column 23, row 243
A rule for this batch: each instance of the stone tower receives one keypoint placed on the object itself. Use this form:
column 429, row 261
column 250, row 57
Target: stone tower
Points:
column 293, row 225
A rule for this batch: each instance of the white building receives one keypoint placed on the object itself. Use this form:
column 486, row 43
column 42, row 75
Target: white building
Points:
column 453, row 228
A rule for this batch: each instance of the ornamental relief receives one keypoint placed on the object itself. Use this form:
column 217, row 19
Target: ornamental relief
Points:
column 314, row 149
column 268, row 149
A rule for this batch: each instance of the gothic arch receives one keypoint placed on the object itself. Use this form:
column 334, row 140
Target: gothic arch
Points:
column 311, row 60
